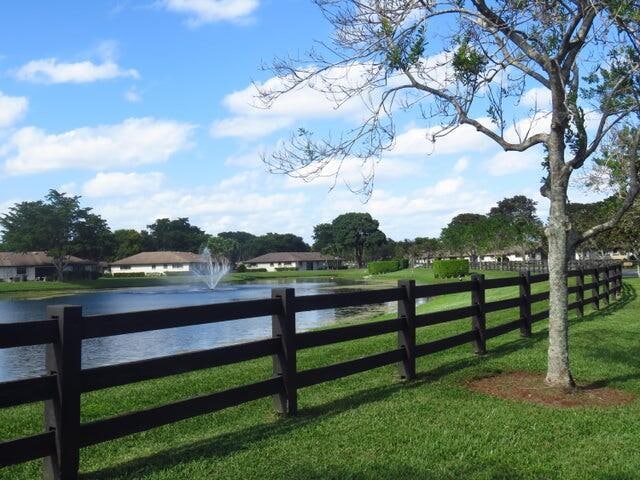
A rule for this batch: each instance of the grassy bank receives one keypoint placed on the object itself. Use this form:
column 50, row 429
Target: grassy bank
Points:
column 36, row 289
column 372, row 425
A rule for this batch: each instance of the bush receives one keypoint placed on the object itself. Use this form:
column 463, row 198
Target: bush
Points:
column 450, row 268
column 257, row 270
column 241, row 268
column 383, row 266
column 129, row 274
column 403, row 263
column 286, row 269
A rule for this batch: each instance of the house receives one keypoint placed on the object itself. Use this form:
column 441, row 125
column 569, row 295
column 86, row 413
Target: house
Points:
column 513, row 255
column 21, row 266
column 158, row 263
column 293, row 260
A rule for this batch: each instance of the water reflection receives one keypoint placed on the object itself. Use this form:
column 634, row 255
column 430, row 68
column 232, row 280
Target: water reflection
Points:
column 29, row 361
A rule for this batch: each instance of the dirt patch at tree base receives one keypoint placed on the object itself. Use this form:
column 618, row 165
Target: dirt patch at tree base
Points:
column 530, row 387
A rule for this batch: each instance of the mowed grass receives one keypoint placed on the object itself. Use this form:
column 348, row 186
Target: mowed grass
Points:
column 373, row 425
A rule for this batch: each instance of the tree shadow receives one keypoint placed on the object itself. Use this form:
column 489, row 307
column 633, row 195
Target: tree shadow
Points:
column 229, row 443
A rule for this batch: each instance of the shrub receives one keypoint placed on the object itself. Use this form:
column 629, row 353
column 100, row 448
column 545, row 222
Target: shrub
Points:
column 383, row 266
column 241, row 268
column 450, row 268
column 129, row 274
column 403, row 263
column 286, row 269
column 257, row 270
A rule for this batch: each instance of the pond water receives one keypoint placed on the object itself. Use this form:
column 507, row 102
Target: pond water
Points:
column 26, row 362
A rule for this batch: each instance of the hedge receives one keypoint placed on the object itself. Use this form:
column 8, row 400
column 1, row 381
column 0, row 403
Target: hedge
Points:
column 450, row 268
column 286, row 269
column 384, row 266
column 129, row 274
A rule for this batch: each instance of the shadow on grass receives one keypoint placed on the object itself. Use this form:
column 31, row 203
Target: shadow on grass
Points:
column 229, row 443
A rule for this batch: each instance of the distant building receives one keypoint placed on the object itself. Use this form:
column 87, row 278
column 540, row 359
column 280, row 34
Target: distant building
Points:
column 293, row 260
column 18, row 266
column 158, row 263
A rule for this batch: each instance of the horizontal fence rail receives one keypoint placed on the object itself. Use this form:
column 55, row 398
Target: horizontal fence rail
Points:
column 61, row 388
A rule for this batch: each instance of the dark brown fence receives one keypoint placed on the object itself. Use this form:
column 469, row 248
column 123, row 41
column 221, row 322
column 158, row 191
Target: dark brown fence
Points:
column 66, row 327
column 539, row 266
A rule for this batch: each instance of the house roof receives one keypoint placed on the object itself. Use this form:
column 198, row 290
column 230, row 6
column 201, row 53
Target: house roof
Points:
column 35, row 259
column 149, row 258
column 275, row 257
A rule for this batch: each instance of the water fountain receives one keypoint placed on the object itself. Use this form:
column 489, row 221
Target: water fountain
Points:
column 212, row 269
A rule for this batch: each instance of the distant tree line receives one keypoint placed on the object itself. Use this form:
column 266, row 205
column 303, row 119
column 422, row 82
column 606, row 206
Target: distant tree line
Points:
column 60, row 226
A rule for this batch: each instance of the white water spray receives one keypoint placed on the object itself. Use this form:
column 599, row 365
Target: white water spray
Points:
column 212, row 269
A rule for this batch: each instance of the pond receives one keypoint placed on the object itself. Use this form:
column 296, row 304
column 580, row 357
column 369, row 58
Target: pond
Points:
column 27, row 362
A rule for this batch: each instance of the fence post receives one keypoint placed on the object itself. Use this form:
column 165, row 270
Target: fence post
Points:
column 595, row 291
column 407, row 332
column 478, row 321
column 62, row 413
column 283, row 326
column 525, row 303
column 607, row 289
column 580, row 292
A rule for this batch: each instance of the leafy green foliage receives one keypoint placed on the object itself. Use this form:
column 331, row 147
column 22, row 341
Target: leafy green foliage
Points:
column 384, row 266
column 468, row 63
column 176, row 235
column 57, row 226
column 222, row 247
column 354, row 231
column 450, row 268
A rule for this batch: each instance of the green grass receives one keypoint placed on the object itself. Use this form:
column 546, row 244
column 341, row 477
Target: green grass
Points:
column 372, row 425
column 37, row 289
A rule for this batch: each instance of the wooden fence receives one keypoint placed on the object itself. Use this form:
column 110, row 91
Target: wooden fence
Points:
column 66, row 380
column 539, row 266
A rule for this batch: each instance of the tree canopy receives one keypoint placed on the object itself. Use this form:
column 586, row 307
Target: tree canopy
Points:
column 57, row 225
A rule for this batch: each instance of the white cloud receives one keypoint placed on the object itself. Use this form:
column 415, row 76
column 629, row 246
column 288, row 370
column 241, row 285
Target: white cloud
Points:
column 527, row 127
column 461, row 165
column 465, row 138
column 119, row 184
column 250, row 159
column 136, row 141
column 352, row 171
column 209, row 11
column 50, row 70
column 132, row 95
column 12, row 109
column 507, row 163
column 248, row 127
column 537, row 97
column 213, row 209
column 317, row 99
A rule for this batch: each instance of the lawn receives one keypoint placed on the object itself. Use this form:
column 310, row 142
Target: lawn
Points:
column 373, row 425
column 37, row 289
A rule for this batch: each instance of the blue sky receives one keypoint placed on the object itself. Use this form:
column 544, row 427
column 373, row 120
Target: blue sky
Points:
column 145, row 109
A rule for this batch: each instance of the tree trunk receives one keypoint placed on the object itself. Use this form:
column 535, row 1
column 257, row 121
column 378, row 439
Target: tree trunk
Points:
column 558, row 370
column 59, row 264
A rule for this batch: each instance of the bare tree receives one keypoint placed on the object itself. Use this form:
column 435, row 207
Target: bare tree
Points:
column 457, row 62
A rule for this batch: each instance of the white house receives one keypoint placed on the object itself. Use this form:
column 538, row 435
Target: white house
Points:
column 19, row 266
column 158, row 263
column 293, row 260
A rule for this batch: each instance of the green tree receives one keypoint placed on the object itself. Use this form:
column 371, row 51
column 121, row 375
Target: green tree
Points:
column 456, row 61
column 127, row 242
column 178, row 235
column 95, row 239
column 467, row 235
column 57, row 226
column 277, row 242
column 222, row 247
column 518, row 223
column 354, row 231
column 243, row 241
column 626, row 235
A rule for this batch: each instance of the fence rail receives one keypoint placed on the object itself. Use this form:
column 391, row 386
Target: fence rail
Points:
column 66, row 327
column 540, row 266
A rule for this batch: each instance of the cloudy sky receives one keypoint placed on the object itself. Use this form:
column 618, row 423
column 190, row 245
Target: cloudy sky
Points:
column 147, row 110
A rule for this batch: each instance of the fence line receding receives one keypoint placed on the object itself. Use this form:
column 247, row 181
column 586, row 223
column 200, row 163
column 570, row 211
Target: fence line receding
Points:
column 66, row 327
